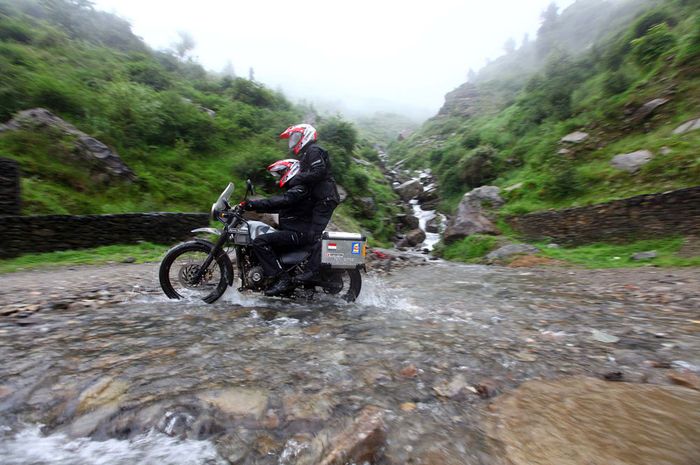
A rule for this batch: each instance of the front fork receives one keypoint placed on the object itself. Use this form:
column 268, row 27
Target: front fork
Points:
column 218, row 246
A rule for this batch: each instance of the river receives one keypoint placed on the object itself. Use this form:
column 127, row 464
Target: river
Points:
column 255, row 380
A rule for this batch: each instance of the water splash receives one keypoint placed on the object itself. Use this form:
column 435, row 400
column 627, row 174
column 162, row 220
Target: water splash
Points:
column 30, row 446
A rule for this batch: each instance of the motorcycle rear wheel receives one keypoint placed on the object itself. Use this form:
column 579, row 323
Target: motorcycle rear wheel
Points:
column 346, row 279
column 176, row 281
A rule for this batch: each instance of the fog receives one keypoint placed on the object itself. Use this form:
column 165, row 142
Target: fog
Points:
column 360, row 56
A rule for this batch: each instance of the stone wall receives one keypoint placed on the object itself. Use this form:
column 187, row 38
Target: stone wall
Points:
column 641, row 217
column 46, row 233
column 9, row 187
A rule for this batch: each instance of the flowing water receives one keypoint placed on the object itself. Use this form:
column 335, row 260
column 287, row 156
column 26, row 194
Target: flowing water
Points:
column 254, row 380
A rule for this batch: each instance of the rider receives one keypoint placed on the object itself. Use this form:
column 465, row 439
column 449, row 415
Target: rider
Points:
column 295, row 220
column 315, row 174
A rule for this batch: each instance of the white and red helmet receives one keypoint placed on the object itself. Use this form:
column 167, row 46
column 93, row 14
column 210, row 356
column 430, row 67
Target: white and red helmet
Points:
column 284, row 170
column 299, row 135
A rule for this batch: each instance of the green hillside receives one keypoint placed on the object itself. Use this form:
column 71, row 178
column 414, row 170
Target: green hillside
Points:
column 185, row 132
column 592, row 68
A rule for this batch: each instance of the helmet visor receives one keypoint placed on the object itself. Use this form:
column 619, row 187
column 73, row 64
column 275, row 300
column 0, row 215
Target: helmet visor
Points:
column 294, row 139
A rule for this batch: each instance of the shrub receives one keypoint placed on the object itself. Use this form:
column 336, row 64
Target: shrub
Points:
column 479, row 166
column 657, row 41
column 616, row 82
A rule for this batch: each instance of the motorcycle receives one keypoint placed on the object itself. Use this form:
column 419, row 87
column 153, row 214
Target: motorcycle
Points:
column 205, row 269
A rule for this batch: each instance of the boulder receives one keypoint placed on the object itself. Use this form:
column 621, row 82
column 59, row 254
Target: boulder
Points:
column 407, row 221
column 433, row 225
column 648, row 108
column 105, row 162
column 508, row 251
column 691, row 125
column 471, row 214
column 644, row 255
column 413, row 238
column 367, row 206
column 575, row 137
column 428, row 196
column 409, row 189
column 632, row 162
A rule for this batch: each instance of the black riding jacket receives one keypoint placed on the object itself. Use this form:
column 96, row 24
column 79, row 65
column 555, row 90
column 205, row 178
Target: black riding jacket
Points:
column 294, row 207
column 315, row 172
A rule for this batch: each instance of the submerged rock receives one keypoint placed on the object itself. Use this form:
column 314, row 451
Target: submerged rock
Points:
column 585, row 420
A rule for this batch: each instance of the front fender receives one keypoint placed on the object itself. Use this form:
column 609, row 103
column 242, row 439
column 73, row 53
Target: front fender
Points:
column 216, row 232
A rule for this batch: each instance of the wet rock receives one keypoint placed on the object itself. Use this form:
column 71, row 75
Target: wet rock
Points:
column 407, row 221
column 570, row 421
column 691, row 125
column 360, row 442
column 237, row 401
column 456, row 387
column 648, row 108
column 685, row 379
column 632, row 162
column 413, row 238
column 301, row 406
column 471, row 217
column 408, row 406
column 644, row 255
column 409, row 189
column 525, row 356
column 267, row 445
column 105, row 390
column 510, row 250
column 433, row 225
column 575, row 137
column 409, row 371
column 614, row 376
column 232, row 448
column 604, row 337
column 487, row 388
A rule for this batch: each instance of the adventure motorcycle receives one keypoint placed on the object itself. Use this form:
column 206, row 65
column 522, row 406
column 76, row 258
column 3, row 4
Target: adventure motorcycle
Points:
column 200, row 268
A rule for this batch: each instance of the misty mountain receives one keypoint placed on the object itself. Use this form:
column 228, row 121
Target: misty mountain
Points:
column 624, row 73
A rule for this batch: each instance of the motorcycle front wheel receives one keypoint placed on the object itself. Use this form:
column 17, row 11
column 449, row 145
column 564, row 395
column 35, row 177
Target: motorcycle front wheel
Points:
column 181, row 264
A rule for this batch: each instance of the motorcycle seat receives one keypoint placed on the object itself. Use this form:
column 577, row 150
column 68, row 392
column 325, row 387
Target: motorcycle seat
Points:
column 294, row 257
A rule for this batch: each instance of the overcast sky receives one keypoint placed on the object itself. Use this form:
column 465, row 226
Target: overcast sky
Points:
column 372, row 54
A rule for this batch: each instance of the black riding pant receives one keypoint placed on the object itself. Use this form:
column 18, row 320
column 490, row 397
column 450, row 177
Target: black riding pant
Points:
column 264, row 246
column 322, row 213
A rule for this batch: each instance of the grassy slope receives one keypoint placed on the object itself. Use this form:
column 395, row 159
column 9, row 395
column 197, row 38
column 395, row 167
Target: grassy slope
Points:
column 597, row 92
column 89, row 68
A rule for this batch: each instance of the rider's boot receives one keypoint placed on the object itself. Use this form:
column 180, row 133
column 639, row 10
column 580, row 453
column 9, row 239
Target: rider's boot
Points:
column 306, row 276
column 283, row 284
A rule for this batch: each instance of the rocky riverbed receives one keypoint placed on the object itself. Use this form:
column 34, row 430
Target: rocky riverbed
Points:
column 435, row 364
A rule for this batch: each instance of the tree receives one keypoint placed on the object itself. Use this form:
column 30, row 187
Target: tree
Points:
column 185, row 45
column 545, row 34
column 471, row 75
column 228, row 70
column 509, row 46
column 251, row 74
